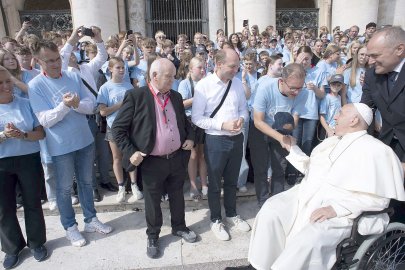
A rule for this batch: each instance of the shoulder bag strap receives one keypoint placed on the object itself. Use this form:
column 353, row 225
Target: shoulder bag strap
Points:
column 89, row 87
column 222, row 100
column 192, row 86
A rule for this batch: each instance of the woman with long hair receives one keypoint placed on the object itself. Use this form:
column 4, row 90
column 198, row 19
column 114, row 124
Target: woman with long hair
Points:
column 353, row 75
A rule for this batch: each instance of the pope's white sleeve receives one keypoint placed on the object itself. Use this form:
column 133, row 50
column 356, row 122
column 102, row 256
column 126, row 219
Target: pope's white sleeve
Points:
column 298, row 159
column 355, row 203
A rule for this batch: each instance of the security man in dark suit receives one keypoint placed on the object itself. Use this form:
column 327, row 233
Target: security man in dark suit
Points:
column 152, row 131
column 384, row 89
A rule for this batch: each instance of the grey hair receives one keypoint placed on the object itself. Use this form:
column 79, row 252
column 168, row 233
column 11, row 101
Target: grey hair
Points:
column 293, row 70
column 394, row 35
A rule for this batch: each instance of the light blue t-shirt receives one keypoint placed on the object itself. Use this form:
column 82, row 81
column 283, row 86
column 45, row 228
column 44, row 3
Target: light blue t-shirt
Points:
column 307, row 102
column 329, row 70
column 329, row 107
column 139, row 73
column 110, row 94
column 269, row 100
column 26, row 77
column 72, row 132
column 185, row 91
column 19, row 113
column 353, row 93
column 252, row 80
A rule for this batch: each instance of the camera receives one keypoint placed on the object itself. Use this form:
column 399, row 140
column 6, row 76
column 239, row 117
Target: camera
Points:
column 87, row 32
column 129, row 32
column 245, row 23
column 27, row 19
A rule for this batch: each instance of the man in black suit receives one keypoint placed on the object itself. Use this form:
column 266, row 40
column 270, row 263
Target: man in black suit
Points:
column 384, row 89
column 153, row 133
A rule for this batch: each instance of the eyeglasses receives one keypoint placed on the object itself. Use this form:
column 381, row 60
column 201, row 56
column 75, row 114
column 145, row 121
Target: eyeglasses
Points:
column 161, row 37
column 51, row 61
column 293, row 89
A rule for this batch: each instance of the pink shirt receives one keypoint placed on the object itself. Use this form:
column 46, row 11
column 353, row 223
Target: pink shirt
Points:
column 167, row 133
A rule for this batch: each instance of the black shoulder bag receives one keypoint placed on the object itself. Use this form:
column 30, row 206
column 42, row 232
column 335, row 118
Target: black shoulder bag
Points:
column 101, row 120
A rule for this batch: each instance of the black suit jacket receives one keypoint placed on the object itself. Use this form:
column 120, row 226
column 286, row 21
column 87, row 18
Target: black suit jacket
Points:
column 134, row 128
column 391, row 105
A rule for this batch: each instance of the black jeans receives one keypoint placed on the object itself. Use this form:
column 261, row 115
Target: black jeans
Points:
column 159, row 175
column 27, row 168
column 223, row 155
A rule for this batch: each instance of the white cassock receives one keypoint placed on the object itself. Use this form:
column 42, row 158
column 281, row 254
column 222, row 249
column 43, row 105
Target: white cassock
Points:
column 353, row 174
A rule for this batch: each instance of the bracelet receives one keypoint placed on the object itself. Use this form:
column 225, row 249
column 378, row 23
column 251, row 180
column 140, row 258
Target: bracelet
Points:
column 3, row 137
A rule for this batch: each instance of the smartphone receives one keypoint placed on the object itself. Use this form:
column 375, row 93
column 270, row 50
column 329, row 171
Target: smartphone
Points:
column 27, row 19
column 129, row 32
column 245, row 23
column 87, row 32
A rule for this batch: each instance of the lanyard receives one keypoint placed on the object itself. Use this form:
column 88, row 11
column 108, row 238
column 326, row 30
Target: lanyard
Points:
column 162, row 105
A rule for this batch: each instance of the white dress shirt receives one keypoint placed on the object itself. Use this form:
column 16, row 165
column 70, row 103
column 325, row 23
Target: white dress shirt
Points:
column 207, row 96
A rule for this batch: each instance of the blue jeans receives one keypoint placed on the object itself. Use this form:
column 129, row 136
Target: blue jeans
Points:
column 79, row 162
column 304, row 133
column 50, row 181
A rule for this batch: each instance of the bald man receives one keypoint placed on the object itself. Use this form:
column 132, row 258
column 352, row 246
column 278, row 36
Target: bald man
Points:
column 152, row 131
column 300, row 228
column 384, row 89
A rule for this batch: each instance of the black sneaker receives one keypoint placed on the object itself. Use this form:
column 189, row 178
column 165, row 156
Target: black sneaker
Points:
column 109, row 187
column 152, row 249
column 40, row 253
column 10, row 261
column 96, row 195
column 187, row 234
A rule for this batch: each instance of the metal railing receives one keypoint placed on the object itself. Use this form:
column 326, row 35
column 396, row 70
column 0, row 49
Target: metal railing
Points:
column 175, row 17
column 48, row 20
column 297, row 18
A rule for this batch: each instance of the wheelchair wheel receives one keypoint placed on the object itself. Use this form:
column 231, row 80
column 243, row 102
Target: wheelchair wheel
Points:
column 384, row 251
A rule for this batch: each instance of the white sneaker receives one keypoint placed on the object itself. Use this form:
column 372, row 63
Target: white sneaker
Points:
column 121, row 194
column 204, row 191
column 96, row 226
column 75, row 237
column 75, row 200
column 218, row 228
column 238, row 223
column 136, row 193
column 52, row 205
column 243, row 189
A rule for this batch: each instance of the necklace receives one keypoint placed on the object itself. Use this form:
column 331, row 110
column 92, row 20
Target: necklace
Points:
column 330, row 159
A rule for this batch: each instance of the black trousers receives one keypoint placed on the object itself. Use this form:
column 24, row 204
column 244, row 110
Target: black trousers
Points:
column 399, row 207
column 27, row 168
column 159, row 175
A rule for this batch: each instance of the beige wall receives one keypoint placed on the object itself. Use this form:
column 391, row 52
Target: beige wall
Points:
column 345, row 13
column 91, row 12
column 262, row 13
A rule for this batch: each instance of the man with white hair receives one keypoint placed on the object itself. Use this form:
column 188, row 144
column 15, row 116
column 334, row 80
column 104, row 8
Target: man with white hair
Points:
column 153, row 133
column 345, row 175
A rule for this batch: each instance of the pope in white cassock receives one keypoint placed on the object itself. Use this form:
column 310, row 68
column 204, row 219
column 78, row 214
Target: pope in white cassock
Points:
column 345, row 175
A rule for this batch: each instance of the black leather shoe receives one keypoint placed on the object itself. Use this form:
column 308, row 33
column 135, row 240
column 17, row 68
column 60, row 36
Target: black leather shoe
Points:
column 40, row 253
column 109, row 187
column 152, row 249
column 187, row 234
column 10, row 261
column 96, row 195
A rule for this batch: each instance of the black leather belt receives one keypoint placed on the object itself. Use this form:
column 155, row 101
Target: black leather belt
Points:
column 168, row 156
column 90, row 116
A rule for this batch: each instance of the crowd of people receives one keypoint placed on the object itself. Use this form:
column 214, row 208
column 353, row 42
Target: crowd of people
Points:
column 71, row 108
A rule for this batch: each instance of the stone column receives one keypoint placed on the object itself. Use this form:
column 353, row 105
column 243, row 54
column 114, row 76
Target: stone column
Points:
column 215, row 17
column 262, row 13
column 136, row 13
column 399, row 10
column 12, row 16
column 347, row 13
column 103, row 14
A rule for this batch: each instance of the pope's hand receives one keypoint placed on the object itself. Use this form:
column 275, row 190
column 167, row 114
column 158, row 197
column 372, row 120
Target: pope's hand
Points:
column 322, row 214
column 188, row 145
column 137, row 158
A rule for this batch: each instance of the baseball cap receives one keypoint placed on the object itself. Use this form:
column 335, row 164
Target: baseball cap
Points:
column 337, row 78
column 283, row 123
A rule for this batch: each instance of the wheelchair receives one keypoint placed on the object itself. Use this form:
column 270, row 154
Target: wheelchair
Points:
column 385, row 251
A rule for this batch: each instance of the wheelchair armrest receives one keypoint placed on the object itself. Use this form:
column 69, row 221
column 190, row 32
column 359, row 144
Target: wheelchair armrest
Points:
column 389, row 211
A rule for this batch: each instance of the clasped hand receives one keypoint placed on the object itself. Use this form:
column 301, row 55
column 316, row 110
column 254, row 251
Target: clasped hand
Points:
column 11, row 131
column 71, row 100
column 322, row 214
column 233, row 125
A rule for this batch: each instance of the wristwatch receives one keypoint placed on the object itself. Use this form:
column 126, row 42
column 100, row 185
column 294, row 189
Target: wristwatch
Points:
column 25, row 136
column 3, row 137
